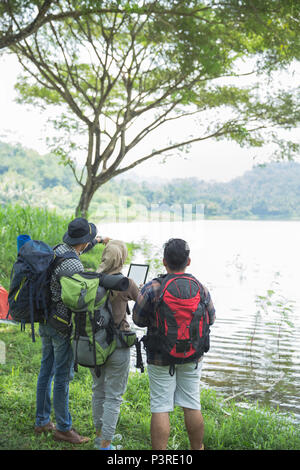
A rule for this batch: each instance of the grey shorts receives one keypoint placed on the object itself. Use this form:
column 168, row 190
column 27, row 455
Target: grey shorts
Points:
column 182, row 389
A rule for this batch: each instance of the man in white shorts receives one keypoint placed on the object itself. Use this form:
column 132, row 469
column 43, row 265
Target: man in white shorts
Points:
column 174, row 383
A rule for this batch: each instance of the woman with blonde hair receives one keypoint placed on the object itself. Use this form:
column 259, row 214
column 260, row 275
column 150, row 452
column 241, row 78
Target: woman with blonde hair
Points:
column 109, row 388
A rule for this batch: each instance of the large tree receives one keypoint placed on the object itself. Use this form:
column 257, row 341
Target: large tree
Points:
column 121, row 76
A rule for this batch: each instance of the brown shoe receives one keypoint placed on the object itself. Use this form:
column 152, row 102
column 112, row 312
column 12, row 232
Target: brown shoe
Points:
column 69, row 436
column 49, row 427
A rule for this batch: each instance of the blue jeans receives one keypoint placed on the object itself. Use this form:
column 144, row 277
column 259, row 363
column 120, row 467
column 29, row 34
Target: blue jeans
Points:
column 57, row 362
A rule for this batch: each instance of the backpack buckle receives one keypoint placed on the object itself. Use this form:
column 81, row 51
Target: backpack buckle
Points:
column 183, row 345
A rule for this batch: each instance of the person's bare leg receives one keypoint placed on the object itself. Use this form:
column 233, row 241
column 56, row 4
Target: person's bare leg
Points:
column 160, row 430
column 195, row 427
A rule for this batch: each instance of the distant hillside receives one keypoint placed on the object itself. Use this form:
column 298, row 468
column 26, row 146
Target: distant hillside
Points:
column 271, row 191
column 43, row 170
column 29, row 178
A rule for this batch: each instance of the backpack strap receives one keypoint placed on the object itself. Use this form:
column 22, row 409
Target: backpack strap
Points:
column 58, row 259
column 76, row 336
column 96, row 368
column 139, row 357
column 31, row 312
column 160, row 278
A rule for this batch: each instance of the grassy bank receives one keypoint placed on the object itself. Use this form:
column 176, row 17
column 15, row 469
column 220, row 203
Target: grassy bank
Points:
column 227, row 427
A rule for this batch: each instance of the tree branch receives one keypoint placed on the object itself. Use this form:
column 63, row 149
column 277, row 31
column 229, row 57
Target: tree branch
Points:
column 222, row 131
column 10, row 39
column 54, row 79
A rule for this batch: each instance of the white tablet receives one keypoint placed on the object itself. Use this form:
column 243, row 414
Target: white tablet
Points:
column 138, row 273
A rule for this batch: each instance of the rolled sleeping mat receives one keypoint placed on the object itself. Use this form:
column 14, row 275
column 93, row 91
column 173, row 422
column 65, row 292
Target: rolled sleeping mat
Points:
column 114, row 281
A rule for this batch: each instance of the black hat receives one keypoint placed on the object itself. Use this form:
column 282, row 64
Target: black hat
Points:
column 79, row 231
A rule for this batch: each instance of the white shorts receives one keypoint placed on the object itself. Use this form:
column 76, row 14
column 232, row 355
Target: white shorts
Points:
column 182, row 389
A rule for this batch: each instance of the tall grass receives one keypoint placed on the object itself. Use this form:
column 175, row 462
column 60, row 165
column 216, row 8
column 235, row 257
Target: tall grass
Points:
column 39, row 223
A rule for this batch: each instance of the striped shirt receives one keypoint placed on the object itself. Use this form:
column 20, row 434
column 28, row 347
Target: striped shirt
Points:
column 144, row 314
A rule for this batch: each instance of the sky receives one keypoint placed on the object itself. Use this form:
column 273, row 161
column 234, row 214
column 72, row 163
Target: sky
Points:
column 209, row 160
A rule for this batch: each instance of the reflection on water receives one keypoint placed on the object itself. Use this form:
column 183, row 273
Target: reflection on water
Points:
column 255, row 342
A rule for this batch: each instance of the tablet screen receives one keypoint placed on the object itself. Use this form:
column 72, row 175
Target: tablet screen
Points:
column 138, row 273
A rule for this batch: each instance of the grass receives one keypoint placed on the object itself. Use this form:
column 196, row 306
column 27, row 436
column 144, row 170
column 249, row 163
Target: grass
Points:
column 39, row 223
column 227, row 426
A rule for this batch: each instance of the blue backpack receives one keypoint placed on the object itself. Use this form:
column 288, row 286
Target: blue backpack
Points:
column 29, row 294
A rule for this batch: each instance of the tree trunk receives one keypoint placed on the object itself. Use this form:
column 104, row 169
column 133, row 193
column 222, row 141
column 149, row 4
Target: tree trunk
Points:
column 86, row 197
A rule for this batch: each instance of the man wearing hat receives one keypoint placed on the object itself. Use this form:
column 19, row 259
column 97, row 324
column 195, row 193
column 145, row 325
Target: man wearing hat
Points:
column 57, row 354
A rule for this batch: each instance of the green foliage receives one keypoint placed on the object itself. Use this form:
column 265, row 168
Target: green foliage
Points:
column 43, row 170
column 266, row 192
column 92, row 259
column 38, row 180
column 39, row 223
column 152, row 256
column 276, row 312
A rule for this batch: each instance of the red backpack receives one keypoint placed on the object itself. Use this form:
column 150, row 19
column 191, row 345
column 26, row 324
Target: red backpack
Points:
column 4, row 304
column 182, row 319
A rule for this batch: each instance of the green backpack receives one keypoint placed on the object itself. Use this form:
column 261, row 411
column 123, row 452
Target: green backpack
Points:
column 95, row 336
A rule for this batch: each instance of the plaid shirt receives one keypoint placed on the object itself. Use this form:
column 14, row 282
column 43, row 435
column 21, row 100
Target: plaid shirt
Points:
column 144, row 314
column 72, row 266
column 61, row 319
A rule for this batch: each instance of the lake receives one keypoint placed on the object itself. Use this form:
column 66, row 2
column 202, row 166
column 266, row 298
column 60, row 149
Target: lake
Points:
column 251, row 269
